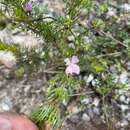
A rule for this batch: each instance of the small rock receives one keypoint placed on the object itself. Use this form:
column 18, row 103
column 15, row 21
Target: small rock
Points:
column 96, row 111
column 128, row 65
column 74, row 118
column 87, row 100
column 128, row 116
column 118, row 124
column 6, row 104
column 6, row 36
column 27, row 88
column 96, row 101
column 90, row 78
column 123, row 78
column 127, row 101
column 94, row 82
column 126, row 7
column 85, row 117
column 71, row 45
column 73, row 109
column 124, row 123
column 31, row 41
column 90, row 112
column 124, row 107
column 83, row 12
column 111, row 13
column 122, row 98
column 87, row 39
column 71, row 38
column 120, row 91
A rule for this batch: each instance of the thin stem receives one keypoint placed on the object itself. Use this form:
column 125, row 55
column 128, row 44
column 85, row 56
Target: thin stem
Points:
column 52, row 72
column 81, row 94
column 25, row 20
column 114, row 39
column 110, row 54
column 102, row 33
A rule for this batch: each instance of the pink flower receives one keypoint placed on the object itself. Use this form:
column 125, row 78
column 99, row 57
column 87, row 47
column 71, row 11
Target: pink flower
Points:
column 72, row 67
column 28, row 6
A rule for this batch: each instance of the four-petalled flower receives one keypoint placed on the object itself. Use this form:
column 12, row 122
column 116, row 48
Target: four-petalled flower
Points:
column 72, row 67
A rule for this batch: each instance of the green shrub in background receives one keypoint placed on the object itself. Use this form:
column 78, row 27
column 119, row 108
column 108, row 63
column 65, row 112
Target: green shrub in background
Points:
column 107, row 45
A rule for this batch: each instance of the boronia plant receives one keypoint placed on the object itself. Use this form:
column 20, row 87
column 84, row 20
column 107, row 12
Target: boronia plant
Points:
column 74, row 44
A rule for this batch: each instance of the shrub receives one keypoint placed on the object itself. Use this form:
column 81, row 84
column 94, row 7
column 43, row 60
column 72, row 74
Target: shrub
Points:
column 97, row 39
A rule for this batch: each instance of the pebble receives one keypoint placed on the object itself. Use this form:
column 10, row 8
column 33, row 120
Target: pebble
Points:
column 124, row 107
column 71, row 45
column 90, row 112
column 123, row 78
column 96, row 111
column 127, row 101
column 87, row 39
column 5, row 36
column 83, row 12
column 74, row 118
column 73, row 109
column 124, row 123
column 122, row 98
column 111, row 13
column 95, row 82
column 90, row 78
column 121, row 92
column 85, row 117
column 128, row 116
column 87, row 100
column 96, row 101
column 118, row 124
column 27, row 88
column 71, row 38
column 6, row 104
column 128, row 65
column 126, row 7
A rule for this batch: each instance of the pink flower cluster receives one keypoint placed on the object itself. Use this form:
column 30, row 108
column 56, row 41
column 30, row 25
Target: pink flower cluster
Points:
column 72, row 67
column 29, row 6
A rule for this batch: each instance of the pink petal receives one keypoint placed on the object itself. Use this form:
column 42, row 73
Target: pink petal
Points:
column 67, row 61
column 74, row 59
column 69, row 70
column 29, row 6
column 75, row 69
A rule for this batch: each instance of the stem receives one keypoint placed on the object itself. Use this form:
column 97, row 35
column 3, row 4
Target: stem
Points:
column 102, row 33
column 110, row 54
column 81, row 94
column 25, row 20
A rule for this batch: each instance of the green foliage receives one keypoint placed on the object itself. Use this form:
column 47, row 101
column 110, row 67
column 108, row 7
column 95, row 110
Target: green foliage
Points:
column 57, row 94
column 8, row 47
column 20, row 72
column 109, row 87
column 48, row 113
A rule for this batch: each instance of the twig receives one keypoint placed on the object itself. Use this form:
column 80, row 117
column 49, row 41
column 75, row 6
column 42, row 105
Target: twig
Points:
column 52, row 72
column 101, row 33
column 110, row 54
column 81, row 94
column 111, row 37
column 5, row 20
